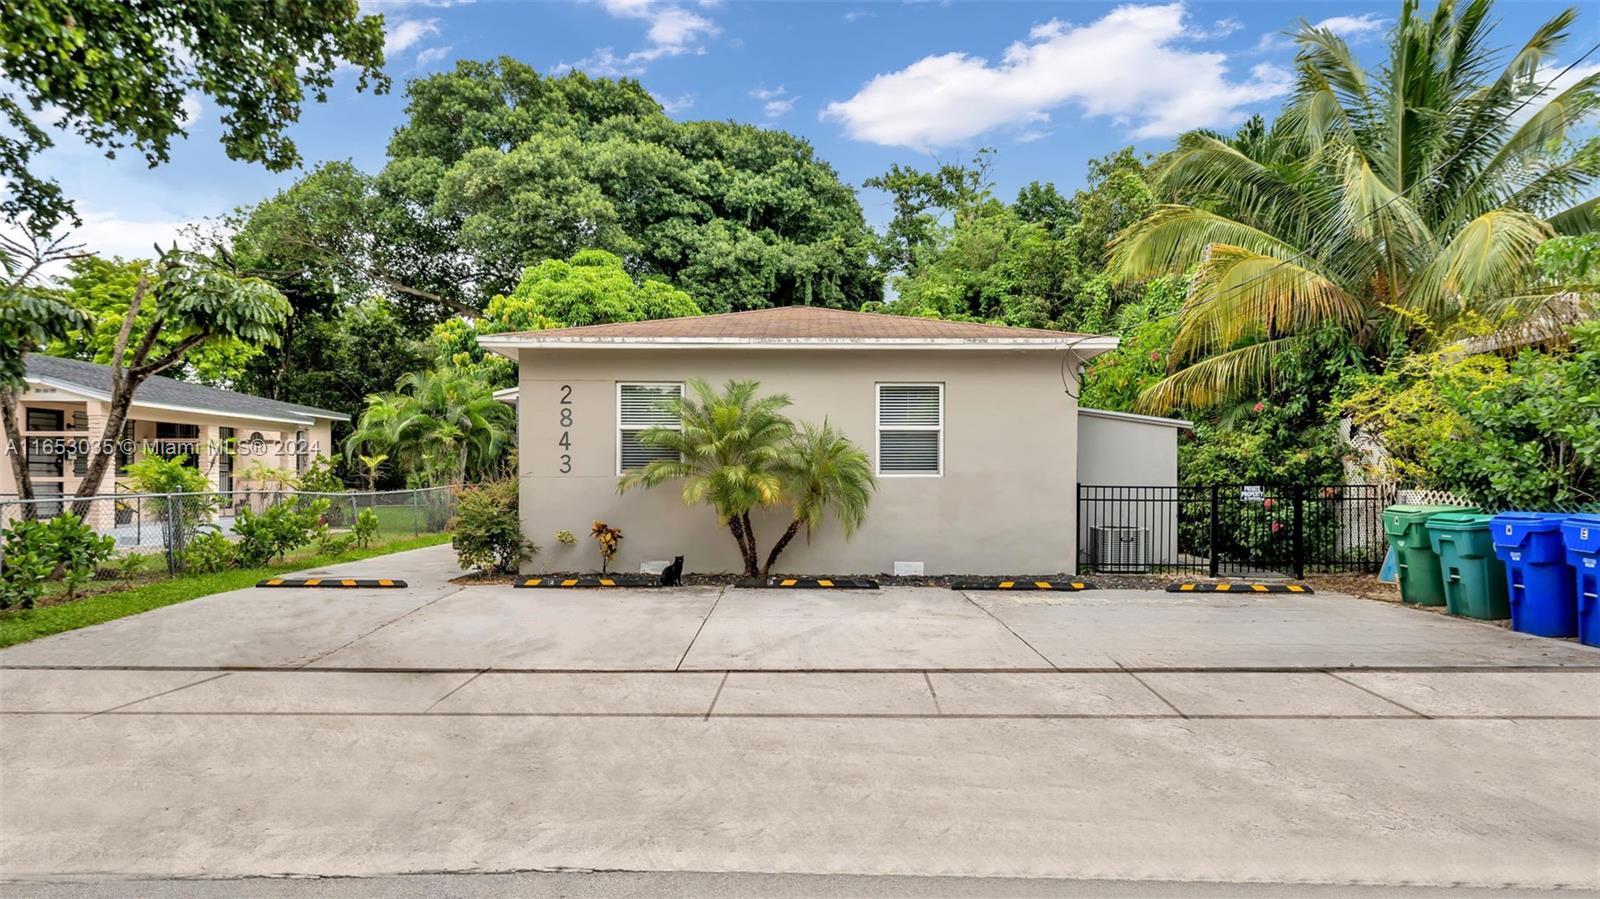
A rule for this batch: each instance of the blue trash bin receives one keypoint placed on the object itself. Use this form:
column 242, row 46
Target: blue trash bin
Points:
column 1543, row 601
column 1581, row 534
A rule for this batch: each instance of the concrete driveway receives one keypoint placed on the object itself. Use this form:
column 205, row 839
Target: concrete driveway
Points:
column 1116, row 735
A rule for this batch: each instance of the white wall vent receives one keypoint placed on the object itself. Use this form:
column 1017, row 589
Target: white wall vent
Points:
column 654, row 567
column 1120, row 548
column 908, row 569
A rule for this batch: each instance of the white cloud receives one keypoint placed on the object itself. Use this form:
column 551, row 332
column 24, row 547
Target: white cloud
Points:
column 856, row 14
column 673, row 31
column 776, row 102
column 191, row 110
column 1031, row 135
column 675, row 105
column 1354, row 30
column 778, row 108
column 1366, row 24
column 1547, row 78
column 404, row 34
column 109, row 234
column 1128, row 66
column 432, row 55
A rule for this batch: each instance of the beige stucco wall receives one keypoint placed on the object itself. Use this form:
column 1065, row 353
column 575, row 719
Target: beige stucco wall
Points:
column 1119, row 451
column 1115, row 452
column 1004, row 504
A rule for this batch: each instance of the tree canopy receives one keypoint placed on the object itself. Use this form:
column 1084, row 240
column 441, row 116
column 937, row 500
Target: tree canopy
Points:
column 117, row 74
column 497, row 168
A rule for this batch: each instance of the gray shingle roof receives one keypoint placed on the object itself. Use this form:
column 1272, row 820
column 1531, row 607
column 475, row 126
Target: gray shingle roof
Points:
column 160, row 391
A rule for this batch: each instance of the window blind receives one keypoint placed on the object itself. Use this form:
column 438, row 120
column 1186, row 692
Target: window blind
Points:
column 910, row 429
column 641, row 406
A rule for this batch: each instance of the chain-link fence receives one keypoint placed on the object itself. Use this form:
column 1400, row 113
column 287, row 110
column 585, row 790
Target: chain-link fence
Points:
column 165, row 522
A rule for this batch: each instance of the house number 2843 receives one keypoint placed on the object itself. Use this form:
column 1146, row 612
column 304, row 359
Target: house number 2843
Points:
column 565, row 418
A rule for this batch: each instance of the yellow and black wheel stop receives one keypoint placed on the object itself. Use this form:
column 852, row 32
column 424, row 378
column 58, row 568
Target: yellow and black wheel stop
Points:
column 365, row 583
column 1067, row 585
column 1231, row 587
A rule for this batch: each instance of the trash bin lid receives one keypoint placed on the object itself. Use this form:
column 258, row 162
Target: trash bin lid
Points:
column 1398, row 517
column 1512, row 528
column 1582, row 533
column 1459, row 521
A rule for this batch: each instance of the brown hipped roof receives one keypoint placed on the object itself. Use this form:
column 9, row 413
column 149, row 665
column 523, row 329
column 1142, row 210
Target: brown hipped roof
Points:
column 790, row 323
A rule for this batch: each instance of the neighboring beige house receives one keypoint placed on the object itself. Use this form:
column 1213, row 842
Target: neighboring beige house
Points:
column 220, row 432
column 972, row 429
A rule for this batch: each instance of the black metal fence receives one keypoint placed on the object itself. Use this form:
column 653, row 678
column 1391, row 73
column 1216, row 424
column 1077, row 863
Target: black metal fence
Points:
column 1232, row 529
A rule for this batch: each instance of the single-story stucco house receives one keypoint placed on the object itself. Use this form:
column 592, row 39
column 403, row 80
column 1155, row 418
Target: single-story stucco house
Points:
column 219, row 432
column 973, row 429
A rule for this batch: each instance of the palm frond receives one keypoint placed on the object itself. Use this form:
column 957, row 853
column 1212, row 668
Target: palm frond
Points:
column 1226, row 377
column 1173, row 238
column 1238, row 293
column 1490, row 258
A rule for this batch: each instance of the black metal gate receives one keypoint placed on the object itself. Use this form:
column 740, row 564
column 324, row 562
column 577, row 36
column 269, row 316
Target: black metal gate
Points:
column 1243, row 530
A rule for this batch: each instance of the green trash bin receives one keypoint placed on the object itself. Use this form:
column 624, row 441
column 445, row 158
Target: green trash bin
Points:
column 1473, row 577
column 1407, row 529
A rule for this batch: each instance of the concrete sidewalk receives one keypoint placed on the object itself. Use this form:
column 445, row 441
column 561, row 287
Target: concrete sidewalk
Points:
column 1111, row 736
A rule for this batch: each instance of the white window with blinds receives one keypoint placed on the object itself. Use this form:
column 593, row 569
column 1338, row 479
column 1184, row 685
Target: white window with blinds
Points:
column 910, row 430
column 639, row 406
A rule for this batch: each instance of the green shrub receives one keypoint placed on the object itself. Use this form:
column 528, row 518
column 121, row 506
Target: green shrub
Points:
column 28, row 563
column 280, row 528
column 365, row 528
column 321, row 477
column 1532, row 439
column 208, row 551
column 37, row 550
column 487, row 533
column 330, row 544
column 76, row 550
column 153, row 474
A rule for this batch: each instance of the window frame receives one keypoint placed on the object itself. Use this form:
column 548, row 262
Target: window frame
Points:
column 620, row 427
column 878, row 429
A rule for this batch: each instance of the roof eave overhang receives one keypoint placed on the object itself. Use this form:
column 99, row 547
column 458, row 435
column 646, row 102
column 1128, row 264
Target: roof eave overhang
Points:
column 102, row 396
column 1083, row 346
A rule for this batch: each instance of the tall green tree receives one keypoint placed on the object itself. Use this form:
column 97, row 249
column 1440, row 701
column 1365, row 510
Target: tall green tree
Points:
column 185, row 303
column 439, row 426
column 117, row 72
column 1376, row 199
column 592, row 288
column 103, row 290
column 1038, row 262
column 497, row 168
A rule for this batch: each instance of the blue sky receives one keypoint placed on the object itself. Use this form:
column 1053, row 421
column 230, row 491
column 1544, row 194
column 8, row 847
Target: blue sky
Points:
column 1048, row 85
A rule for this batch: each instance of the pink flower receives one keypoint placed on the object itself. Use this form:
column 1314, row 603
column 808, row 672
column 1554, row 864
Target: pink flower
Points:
column 1259, row 407
column 1277, row 526
column 1155, row 356
column 1268, row 503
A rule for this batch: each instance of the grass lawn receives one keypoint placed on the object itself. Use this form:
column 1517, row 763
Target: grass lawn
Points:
column 22, row 625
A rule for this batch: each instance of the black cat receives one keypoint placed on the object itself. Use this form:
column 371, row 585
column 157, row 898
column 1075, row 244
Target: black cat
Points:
column 672, row 575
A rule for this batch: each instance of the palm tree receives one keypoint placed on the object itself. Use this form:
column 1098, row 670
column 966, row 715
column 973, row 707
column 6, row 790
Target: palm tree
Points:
column 441, row 424
column 1382, row 207
column 372, row 464
column 730, row 447
column 822, row 471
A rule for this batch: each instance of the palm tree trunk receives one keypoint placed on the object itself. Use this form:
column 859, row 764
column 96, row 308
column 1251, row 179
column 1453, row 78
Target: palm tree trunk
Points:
column 752, row 566
column 736, row 525
column 777, row 548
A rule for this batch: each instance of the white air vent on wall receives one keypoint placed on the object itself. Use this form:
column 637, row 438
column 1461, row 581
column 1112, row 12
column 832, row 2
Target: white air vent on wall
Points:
column 1120, row 548
column 908, row 569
